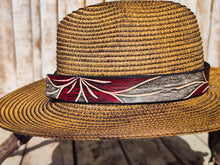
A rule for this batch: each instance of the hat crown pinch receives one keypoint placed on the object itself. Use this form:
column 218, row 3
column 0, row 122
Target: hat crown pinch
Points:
column 127, row 38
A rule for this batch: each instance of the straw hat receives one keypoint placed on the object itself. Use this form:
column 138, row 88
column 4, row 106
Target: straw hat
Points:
column 124, row 70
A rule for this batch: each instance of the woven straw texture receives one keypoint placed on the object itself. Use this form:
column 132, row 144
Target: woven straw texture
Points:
column 29, row 111
column 119, row 39
column 129, row 38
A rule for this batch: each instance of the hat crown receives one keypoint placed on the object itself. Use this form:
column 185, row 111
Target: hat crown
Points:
column 129, row 38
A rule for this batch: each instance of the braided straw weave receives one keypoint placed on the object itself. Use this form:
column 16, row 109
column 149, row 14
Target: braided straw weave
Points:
column 119, row 39
column 129, row 38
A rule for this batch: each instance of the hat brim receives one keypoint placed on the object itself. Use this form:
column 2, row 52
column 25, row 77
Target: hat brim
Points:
column 28, row 111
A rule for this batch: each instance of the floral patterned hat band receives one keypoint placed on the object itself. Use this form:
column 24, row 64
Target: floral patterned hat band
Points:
column 128, row 90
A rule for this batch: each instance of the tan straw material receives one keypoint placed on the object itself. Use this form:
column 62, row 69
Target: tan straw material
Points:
column 129, row 38
column 119, row 39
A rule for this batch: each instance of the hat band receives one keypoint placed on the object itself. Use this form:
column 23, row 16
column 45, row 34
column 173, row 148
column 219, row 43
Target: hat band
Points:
column 128, row 90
